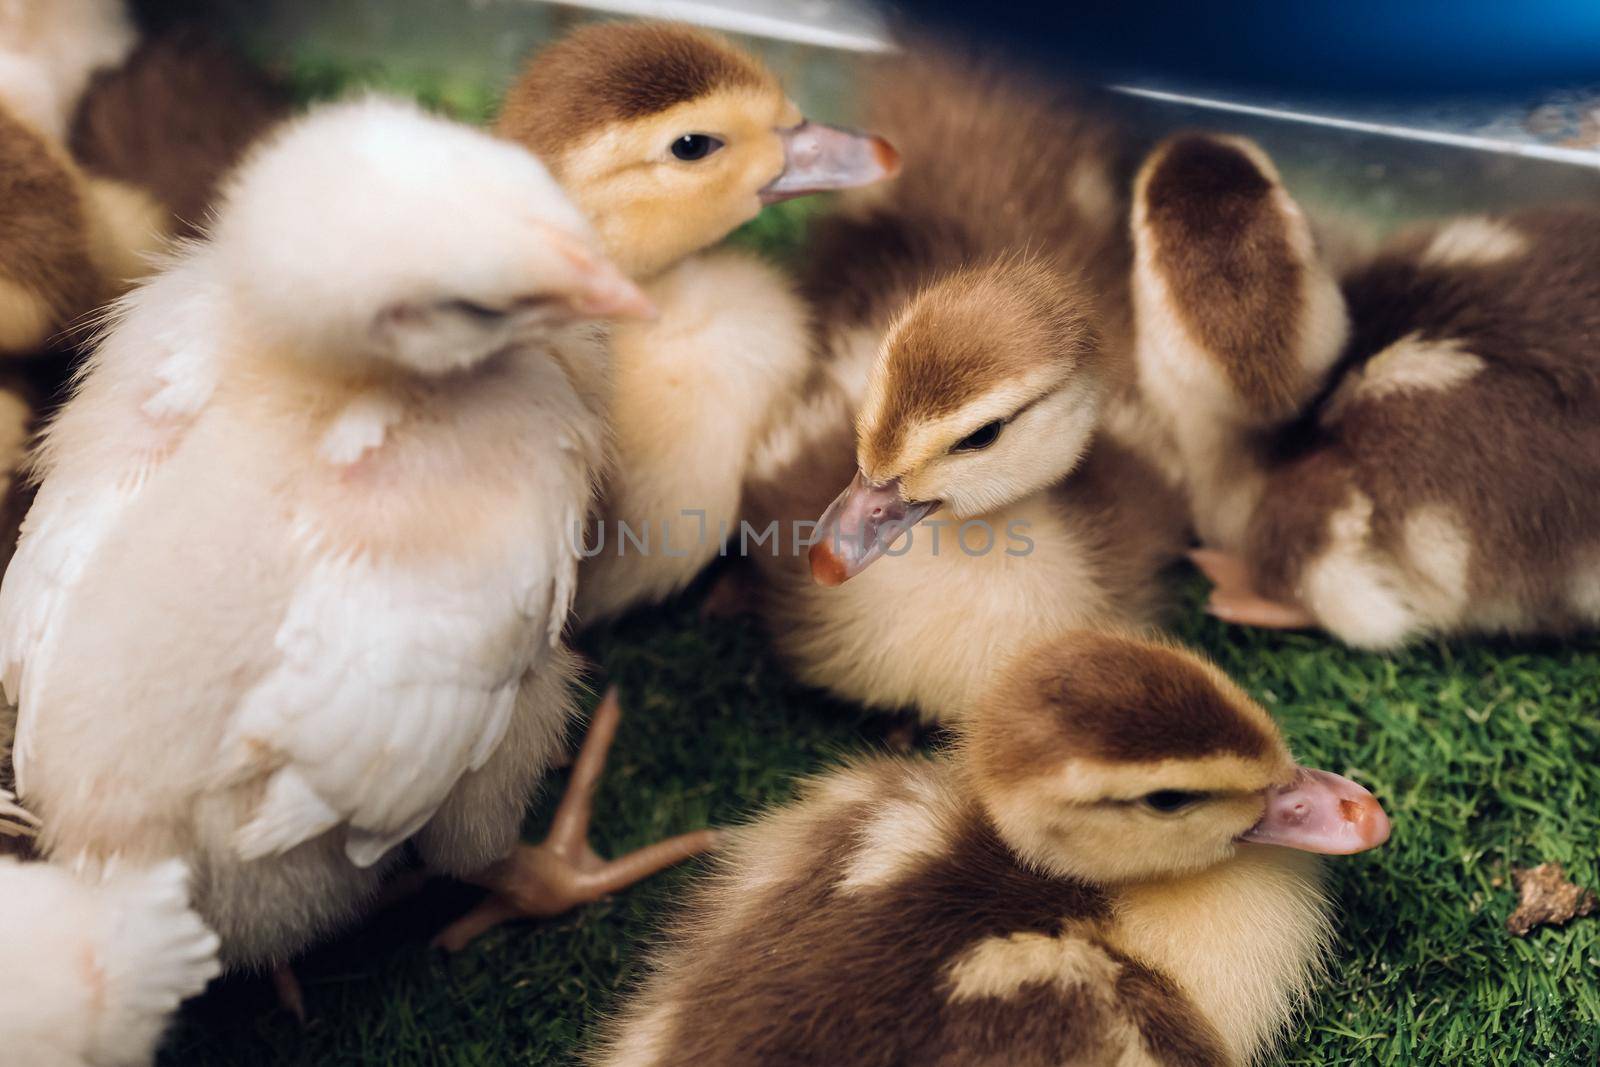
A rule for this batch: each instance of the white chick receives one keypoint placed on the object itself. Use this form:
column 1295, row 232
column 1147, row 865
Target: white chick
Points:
column 93, row 966
column 293, row 588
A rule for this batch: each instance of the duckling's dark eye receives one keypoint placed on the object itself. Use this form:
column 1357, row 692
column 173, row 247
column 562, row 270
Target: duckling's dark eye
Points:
column 693, row 146
column 981, row 438
column 1169, row 801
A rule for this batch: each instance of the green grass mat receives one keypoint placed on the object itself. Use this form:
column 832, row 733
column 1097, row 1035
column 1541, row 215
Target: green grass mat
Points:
column 1486, row 756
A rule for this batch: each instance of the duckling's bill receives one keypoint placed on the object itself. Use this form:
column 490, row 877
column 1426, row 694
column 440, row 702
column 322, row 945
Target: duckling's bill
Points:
column 818, row 158
column 1320, row 811
column 861, row 524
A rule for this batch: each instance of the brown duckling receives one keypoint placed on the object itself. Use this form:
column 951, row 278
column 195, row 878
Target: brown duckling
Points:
column 1408, row 447
column 975, row 352
column 669, row 137
column 174, row 119
column 68, row 242
column 1113, row 866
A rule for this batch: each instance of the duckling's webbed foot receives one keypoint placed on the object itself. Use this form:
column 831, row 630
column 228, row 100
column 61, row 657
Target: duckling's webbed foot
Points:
column 1234, row 598
column 564, row 871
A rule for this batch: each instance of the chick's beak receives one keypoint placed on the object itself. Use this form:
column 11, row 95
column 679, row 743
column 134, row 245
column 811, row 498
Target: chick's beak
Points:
column 606, row 293
column 1321, row 812
column 859, row 526
column 817, row 158
column 596, row 287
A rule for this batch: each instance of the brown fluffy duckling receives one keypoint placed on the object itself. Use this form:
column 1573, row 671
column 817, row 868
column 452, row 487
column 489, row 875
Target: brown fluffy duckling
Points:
column 974, row 351
column 174, row 119
column 68, row 242
column 669, row 137
column 1112, row 867
column 1408, row 447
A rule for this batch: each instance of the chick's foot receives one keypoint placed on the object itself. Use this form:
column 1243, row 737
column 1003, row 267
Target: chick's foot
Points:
column 564, row 871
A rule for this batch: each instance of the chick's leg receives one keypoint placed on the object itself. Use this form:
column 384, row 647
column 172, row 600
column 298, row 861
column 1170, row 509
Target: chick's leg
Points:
column 1234, row 598
column 547, row 879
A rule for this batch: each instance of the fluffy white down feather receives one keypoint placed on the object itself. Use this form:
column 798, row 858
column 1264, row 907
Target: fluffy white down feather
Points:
column 244, row 630
column 93, row 965
column 391, row 685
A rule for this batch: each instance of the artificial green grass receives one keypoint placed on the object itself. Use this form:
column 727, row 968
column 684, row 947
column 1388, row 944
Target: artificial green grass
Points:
column 1486, row 755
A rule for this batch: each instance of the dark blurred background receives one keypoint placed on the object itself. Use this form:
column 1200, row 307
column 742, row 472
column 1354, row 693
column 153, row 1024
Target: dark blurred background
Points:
column 1380, row 111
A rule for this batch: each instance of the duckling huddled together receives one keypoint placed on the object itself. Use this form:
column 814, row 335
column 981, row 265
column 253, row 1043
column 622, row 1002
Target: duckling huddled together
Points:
column 1404, row 449
column 669, row 138
column 1112, row 866
column 975, row 343
column 337, row 473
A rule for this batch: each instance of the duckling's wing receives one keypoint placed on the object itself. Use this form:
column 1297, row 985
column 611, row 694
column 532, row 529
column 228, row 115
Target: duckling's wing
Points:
column 138, row 396
column 392, row 682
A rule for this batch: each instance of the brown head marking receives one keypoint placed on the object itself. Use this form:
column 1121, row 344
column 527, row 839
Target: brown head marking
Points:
column 1116, row 699
column 970, row 331
column 617, row 71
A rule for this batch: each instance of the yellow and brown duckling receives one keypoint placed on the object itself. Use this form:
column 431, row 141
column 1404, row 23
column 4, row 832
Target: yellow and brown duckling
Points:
column 974, row 347
column 68, row 242
column 1408, row 447
column 669, row 137
column 1113, row 866
column 174, row 119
